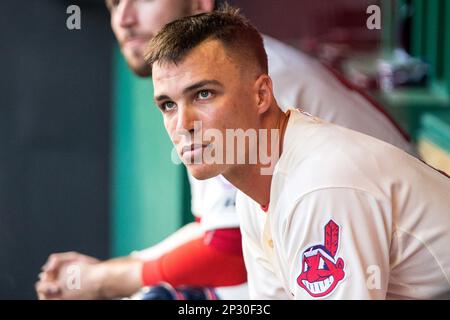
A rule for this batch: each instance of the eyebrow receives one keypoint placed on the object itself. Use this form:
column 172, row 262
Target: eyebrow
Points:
column 192, row 87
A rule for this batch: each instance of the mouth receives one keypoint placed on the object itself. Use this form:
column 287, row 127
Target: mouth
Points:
column 193, row 151
column 319, row 287
column 135, row 41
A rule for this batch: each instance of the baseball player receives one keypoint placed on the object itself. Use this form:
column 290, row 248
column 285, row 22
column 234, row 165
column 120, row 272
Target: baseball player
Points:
column 340, row 215
column 211, row 246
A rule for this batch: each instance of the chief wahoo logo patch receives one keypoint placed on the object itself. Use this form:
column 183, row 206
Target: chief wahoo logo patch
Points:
column 322, row 271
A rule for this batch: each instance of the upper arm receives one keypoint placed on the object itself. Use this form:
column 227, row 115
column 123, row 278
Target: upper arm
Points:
column 337, row 243
column 185, row 234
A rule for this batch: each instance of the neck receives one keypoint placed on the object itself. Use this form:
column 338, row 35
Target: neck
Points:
column 255, row 180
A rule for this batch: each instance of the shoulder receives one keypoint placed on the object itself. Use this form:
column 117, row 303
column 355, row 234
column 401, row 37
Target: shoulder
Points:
column 285, row 59
column 320, row 155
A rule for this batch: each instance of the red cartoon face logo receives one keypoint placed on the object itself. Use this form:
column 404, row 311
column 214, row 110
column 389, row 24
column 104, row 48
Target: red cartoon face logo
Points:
column 321, row 272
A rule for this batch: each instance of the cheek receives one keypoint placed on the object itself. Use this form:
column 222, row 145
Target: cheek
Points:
column 240, row 117
column 169, row 123
column 153, row 17
column 149, row 17
column 218, row 119
column 115, row 27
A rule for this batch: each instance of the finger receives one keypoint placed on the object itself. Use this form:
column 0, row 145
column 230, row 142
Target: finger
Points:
column 42, row 296
column 47, row 289
column 47, row 276
column 55, row 260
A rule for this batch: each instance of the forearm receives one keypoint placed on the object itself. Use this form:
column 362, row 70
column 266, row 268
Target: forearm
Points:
column 120, row 277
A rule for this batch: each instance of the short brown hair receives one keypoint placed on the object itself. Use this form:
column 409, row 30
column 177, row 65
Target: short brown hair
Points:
column 227, row 25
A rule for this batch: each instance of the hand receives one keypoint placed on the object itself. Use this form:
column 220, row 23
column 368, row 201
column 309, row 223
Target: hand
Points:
column 69, row 275
column 72, row 275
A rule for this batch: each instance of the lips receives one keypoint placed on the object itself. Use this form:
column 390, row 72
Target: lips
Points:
column 135, row 41
column 192, row 147
column 193, row 151
column 319, row 287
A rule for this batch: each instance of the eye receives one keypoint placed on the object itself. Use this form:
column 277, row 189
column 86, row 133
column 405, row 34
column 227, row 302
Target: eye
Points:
column 322, row 265
column 113, row 4
column 167, row 106
column 305, row 267
column 204, row 94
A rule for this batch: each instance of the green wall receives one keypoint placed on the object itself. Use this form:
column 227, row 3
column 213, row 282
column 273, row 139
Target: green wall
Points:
column 149, row 194
column 430, row 34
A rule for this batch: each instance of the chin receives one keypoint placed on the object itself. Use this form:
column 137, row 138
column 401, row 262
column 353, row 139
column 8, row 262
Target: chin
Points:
column 138, row 66
column 203, row 172
column 141, row 70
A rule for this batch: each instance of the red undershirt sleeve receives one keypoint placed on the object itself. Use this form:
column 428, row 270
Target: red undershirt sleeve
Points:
column 214, row 260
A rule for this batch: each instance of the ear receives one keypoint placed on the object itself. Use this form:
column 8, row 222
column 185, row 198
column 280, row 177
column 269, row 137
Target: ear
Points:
column 201, row 6
column 264, row 93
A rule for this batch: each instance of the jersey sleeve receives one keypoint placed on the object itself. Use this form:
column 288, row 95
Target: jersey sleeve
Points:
column 336, row 242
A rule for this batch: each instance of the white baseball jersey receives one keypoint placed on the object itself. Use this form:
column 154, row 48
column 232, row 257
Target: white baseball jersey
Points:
column 350, row 217
column 298, row 81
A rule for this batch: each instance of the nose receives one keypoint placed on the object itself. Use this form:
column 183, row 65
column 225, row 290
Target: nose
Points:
column 312, row 275
column 186, row 120
column 127, row 14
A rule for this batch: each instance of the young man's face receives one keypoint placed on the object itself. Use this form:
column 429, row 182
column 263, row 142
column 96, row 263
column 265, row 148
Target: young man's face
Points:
column 135, row 22
column 206, row 86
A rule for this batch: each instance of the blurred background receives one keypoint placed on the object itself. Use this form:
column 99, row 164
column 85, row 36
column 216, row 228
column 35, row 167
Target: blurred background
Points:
column 85, row 163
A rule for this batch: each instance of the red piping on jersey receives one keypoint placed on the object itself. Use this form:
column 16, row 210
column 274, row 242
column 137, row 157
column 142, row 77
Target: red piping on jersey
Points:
column 265, row 208
column 436, row 169
column 371, row 100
